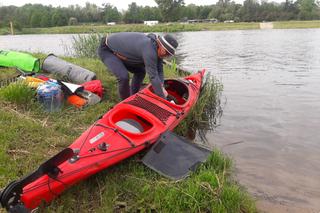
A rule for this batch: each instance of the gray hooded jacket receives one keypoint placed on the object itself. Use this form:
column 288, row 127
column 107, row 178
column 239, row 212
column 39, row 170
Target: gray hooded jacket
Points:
column 140, row 50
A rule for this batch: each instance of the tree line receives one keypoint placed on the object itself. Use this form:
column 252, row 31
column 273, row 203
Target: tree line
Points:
column 38, row 15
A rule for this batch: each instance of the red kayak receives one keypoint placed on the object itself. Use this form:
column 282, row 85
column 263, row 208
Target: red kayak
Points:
column 125, row 130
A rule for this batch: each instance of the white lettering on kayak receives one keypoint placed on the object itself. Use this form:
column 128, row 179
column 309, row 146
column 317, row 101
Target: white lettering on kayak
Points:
column 96, row 138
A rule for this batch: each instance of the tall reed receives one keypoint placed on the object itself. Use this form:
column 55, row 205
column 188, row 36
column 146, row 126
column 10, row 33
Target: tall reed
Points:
column 86, row 45
column 205, row 114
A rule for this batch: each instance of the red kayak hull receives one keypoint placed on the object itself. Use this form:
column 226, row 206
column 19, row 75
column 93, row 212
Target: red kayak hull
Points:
column 105, row 143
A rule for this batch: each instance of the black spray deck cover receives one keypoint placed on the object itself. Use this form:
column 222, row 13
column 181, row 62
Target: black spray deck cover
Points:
column 174, row 156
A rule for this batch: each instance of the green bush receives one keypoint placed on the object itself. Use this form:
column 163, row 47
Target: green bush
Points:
column 18, row 93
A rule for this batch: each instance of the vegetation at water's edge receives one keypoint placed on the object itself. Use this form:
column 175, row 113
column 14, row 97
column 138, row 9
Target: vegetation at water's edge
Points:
column 296, row 24
column 28, row 136
column 173, row 27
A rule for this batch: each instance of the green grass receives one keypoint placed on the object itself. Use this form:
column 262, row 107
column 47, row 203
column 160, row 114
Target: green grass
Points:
column 4, row 31
column 132, row 187
column 29, row 136
column 296, row 24
column 7, row 73
column 18, row 93
column 174, row 27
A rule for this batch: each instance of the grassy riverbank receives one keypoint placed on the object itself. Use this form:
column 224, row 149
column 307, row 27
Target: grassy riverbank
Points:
column 296, row 24
column 174, row 27
column 28, row 136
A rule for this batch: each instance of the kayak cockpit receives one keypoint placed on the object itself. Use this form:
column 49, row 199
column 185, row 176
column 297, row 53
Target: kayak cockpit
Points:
column 178, row 91
column 128, row 120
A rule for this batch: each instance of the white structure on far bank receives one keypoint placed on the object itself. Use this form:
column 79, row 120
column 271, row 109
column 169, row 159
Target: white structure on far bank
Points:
column 266, row 25
column 111, row 23
column 151, row 23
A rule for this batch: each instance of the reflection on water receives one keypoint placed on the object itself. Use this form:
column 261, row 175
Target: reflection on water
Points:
column 271, row 119
column 272, row 111
column 58, row 44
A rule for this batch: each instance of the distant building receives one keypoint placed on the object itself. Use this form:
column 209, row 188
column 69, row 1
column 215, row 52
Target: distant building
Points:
column 194, row 21
column 213, row 20
column 111, row 23
column 151, row 23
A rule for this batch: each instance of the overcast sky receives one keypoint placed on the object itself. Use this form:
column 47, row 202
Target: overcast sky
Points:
column 120, row 4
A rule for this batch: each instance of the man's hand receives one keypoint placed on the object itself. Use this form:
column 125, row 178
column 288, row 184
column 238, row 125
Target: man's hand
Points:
column 164, row 92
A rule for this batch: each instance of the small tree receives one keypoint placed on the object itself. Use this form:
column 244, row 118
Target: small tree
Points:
column 111, row 13
column 133, row 14
column 45, row 21
column 170, row 9
column 35, row 20
column 59, row 19
column 307, row 9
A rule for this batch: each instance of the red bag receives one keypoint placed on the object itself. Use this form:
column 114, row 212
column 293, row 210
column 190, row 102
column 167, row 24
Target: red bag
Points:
column 94, row 86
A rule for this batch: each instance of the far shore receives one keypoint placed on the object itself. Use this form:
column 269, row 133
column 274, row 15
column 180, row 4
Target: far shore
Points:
column 164, row 27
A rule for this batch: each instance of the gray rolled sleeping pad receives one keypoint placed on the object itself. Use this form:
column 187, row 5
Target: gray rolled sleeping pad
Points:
column 66, row 70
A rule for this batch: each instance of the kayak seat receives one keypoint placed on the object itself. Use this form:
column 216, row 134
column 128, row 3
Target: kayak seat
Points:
column 130, row 125
column 130, row 121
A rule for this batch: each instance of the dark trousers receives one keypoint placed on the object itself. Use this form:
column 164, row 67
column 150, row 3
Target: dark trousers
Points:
column 121, row 70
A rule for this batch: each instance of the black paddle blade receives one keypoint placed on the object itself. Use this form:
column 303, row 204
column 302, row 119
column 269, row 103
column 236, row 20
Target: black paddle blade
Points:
column 56, row 160
column 174, row 156
column 10, row 196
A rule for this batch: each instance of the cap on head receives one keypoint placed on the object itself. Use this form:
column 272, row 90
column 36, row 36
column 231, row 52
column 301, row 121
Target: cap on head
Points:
column 169, row 43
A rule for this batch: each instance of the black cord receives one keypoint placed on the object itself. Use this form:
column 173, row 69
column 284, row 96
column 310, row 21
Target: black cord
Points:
column 117, row 131
column 93, row 125
column 56, row 179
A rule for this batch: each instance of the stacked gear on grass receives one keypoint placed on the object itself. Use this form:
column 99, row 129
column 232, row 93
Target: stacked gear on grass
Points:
column 22, row 61
column 83, row 98
column 89, row 93
column 34, row 82
column 67, row 71
column 77, row 101
column 94, row 86
column 50, row 96
column 50, row 92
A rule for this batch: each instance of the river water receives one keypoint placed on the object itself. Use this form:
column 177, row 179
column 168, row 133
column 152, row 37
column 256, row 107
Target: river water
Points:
column 271, row 104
